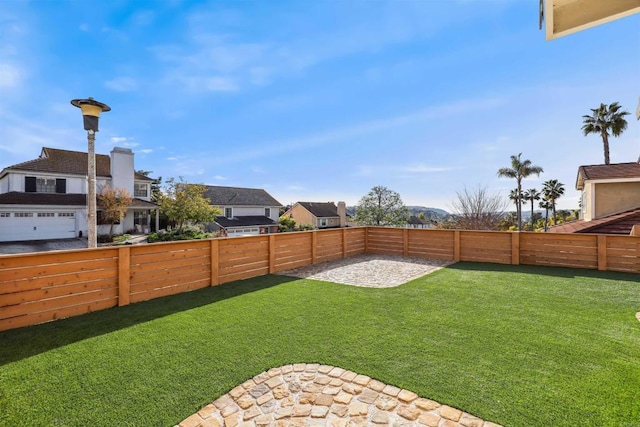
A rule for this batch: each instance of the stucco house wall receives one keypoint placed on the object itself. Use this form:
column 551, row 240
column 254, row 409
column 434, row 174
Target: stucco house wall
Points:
column 616, row 197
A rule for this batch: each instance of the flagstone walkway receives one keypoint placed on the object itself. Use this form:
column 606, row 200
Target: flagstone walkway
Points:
column 310, row 394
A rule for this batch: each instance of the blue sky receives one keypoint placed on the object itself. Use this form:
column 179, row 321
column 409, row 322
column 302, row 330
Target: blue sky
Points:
column 318, row 100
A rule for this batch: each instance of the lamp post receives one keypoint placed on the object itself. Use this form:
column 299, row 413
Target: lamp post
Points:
column 91, row 110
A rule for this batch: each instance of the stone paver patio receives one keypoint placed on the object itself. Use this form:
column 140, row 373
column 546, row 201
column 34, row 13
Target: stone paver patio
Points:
column 373, row 271
column 310, row 394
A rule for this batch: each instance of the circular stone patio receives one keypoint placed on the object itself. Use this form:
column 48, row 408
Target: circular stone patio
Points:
column 310, row 394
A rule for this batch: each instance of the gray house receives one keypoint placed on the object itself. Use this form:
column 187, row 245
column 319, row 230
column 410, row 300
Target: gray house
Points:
column 245, row 211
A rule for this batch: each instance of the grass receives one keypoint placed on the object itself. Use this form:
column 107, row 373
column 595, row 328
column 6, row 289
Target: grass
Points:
column 516, row 345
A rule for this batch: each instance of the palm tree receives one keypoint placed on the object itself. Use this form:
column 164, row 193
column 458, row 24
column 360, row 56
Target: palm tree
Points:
column 605, row 121
column 552, row 190
column 546, row 205
column 519, row 169
column 531, row 195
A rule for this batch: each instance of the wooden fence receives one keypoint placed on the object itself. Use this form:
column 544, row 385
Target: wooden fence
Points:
column 39, row 287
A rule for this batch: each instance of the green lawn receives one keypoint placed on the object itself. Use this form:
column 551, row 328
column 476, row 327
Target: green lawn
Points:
column 520, row 346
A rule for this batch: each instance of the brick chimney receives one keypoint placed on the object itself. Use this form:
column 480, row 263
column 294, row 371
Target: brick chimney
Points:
column 342, row 213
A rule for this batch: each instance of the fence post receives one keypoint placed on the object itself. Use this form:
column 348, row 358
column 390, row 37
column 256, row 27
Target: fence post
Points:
column 366, row 240
column 405, row 241
column 214, row 249
column 344, row 243
column 272, row 253
column 456, row 245
column 314, row 243
column 515, row 248
column 124, row 282
column 602, row 252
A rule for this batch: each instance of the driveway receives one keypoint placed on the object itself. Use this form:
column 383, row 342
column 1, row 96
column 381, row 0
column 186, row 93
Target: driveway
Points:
column 41, row 246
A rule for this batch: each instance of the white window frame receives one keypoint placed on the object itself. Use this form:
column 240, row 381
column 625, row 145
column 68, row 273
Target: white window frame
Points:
column 323, row 222
column 228, row 212
column 137, row 189
column 5, row 214
column 267, row 212
column 45, row 185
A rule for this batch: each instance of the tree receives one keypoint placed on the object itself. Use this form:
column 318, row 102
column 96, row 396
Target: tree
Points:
column 184, row 202
column 605, row 121
column 516, row 197
column 532, row 195
column 552, row 190
column 478, row 209
column 113, row 204
column 519, row 169
column 286, row 223
column 546, row 205
column 381, row 206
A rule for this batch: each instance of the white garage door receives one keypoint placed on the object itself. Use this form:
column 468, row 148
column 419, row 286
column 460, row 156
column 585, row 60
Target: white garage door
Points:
column 239, row 232
column 37, row 225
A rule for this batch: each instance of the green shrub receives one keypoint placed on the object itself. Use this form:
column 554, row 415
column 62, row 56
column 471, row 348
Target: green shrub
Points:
column 173, row 235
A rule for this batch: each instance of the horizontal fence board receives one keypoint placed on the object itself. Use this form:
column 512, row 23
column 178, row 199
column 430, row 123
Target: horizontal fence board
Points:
column 140, row 276
column 243, row 275
column 39, row 259
column 58, row 269
column 201, row 260
column 44, row 293
column 169, row 290
column 44, row 282
column 58, row 302
column 247, row 266
column 168, row 282
column 35, row 318
column 281, row 260
column 169, row 256
column 167, row 247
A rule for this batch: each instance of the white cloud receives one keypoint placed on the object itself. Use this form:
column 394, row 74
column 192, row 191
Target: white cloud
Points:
column 219, row 178
column 11, row 76
column 145, row 151
column 422, row 168
column 84, row 27
column 122, row 84
column 118, row 139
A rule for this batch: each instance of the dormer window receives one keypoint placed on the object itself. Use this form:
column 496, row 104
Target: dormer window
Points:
column 228, row 212
column 140, row 190
column 34, row 184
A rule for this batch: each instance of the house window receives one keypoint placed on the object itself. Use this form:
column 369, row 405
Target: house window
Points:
column 45, row 185
column 267, row 212
column 140, row 190
column 66, row 214
column 323, row 222
column 140, row 217
column 228, row 212
column 23, row 215
column 46, row 214
column 5, row 214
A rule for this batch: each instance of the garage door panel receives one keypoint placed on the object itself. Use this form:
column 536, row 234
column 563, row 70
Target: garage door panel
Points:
column 31, row 226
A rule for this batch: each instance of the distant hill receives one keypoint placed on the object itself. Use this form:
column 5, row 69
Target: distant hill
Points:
column 430, row 213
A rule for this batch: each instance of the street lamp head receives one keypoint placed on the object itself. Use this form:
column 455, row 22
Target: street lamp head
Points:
column 91, row 110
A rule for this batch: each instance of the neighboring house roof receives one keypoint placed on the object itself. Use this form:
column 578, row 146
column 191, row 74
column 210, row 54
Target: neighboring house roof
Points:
column 620, row 223
column 140, row 177
column 611, row 171
column 54, row 160
column 416, row 220
column 55, row 199
column 320, row 210
column 243, row 221
column 19, row 198
column 237, row 196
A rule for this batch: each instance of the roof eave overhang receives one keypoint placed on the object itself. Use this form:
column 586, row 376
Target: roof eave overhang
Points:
column 563, row 17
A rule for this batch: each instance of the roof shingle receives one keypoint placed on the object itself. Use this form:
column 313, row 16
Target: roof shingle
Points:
column 611, row 171
column 321, row 210
column 237, row 196
column 620, row 223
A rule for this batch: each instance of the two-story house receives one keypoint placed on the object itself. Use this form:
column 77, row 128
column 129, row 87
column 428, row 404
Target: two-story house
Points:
column 46, row 198
column 319, row 214
column 245, row 211
column 610, row 202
